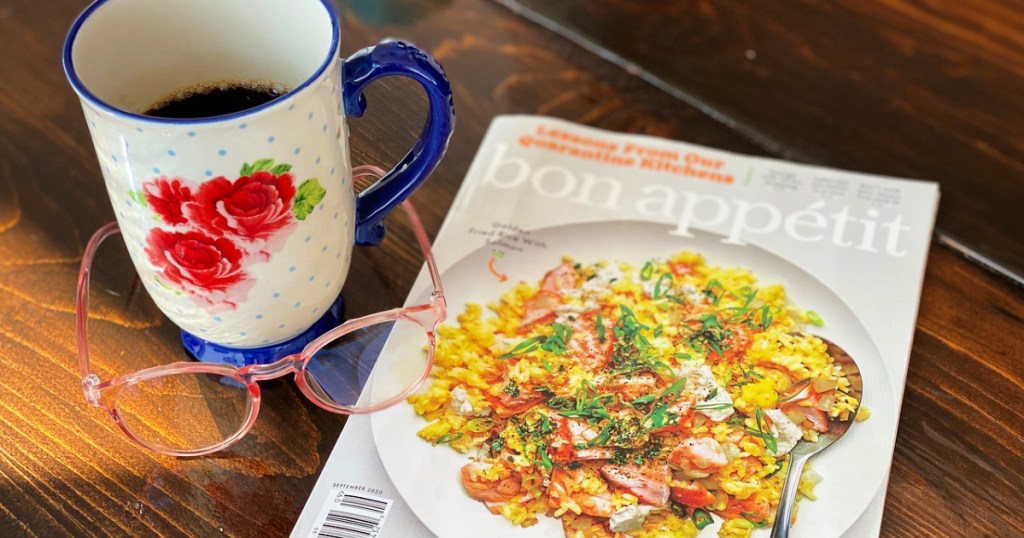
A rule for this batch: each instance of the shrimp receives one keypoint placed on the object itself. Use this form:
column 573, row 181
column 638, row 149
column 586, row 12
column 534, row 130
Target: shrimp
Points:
column 490, row 492
column 505, row 405
column 571, row 433
column 698, row 457
column 691, row 494
column 565, row 486
column 560, row 278
column 541, row 307
column 806, row 404
column 648, row 482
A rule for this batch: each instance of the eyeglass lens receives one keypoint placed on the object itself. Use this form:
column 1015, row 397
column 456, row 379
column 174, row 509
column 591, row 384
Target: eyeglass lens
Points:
column 184, row 411
column 370, row 365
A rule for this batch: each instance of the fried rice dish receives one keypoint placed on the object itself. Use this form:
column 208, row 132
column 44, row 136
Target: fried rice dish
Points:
column 633, row 400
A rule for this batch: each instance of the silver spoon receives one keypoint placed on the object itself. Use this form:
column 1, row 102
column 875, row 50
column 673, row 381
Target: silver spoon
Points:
column 804, row 450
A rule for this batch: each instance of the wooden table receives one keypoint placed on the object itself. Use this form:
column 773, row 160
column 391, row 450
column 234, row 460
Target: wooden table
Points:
column 931, row 90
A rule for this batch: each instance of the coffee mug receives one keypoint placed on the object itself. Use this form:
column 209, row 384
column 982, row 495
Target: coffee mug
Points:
column 241, row 226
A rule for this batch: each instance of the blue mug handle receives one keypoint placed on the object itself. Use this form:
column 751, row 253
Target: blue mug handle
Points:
column 392, row 57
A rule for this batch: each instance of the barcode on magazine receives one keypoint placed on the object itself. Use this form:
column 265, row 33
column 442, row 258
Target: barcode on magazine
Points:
column 350, row 514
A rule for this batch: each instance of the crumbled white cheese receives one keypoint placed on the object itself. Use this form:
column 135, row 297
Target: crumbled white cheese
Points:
column 603, row 278
column 787, row 434
column 701, row 382
column 459, row 402
column 628, row 518
column 692, row 293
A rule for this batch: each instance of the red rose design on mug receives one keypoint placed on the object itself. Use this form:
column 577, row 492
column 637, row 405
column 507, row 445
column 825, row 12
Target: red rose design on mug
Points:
column 197, row 264
column 222, row 226
column 166, row 197
column 252, row 208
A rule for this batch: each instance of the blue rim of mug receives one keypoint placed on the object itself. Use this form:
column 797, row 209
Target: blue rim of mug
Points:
column 83, row 91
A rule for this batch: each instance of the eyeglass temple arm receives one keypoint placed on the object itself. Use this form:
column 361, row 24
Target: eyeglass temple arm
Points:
column 417, row 227
column 89, row 380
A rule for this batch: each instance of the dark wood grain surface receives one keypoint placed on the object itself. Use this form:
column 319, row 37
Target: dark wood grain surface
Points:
column 913, row 88
column 66, row 471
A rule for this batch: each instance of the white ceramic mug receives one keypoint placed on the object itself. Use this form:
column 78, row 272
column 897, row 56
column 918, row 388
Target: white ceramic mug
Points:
column 241, row 226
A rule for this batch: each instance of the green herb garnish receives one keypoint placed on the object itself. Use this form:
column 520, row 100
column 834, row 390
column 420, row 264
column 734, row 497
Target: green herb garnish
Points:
column 794, row 390
column 448, row 439
column 665, row 277
column 712, row 406
column 701, row 518
column 814, row 318
column 647, row 271
column 556, row 343
column 544, row 461
column 481, row 424
column 762, row 430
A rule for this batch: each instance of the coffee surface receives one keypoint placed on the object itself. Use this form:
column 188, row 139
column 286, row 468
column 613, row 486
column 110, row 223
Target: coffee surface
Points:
column 207, row 101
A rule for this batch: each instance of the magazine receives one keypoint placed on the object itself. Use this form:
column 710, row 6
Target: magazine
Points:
column 639, row 331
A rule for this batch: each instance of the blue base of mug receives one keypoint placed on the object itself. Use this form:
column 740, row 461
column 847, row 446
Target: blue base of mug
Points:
column 205, row 351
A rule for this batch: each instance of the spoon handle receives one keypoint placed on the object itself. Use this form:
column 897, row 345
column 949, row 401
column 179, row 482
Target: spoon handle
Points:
column 784, row 513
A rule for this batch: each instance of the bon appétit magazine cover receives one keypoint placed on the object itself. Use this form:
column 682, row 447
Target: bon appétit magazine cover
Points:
column 642, row 335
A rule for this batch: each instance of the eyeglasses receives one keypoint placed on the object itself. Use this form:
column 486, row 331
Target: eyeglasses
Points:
column 191, row 408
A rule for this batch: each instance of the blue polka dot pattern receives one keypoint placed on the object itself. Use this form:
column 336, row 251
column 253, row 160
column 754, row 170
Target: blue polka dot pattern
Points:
column 208, row 173
column 297, row 304
column 291, row 269
column 222, row 152
column 242, row 126
column 308, row 238
column 112, row 156
column 297, row 150
column 171, row 152
column 310, row 116
column 259, row 316
column 332, row 171
column 270, row 139
column 318, row 159
column 277, row 294
column 241, row 333
column 217, row 319
column 281, row 326
column 156, row 170
column 191, row 133
column 312, row 278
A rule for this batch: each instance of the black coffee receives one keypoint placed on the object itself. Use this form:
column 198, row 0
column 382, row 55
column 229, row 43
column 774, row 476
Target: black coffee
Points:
column 205, row 101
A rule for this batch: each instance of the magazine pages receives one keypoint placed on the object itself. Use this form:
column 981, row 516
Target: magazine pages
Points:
column 637, row 335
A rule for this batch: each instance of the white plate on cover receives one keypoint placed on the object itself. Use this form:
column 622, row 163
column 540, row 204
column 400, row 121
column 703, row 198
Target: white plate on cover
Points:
column 853, row 470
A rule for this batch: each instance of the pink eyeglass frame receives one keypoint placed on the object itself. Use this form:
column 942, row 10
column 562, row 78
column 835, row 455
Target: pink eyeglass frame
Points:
column 103, row 394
